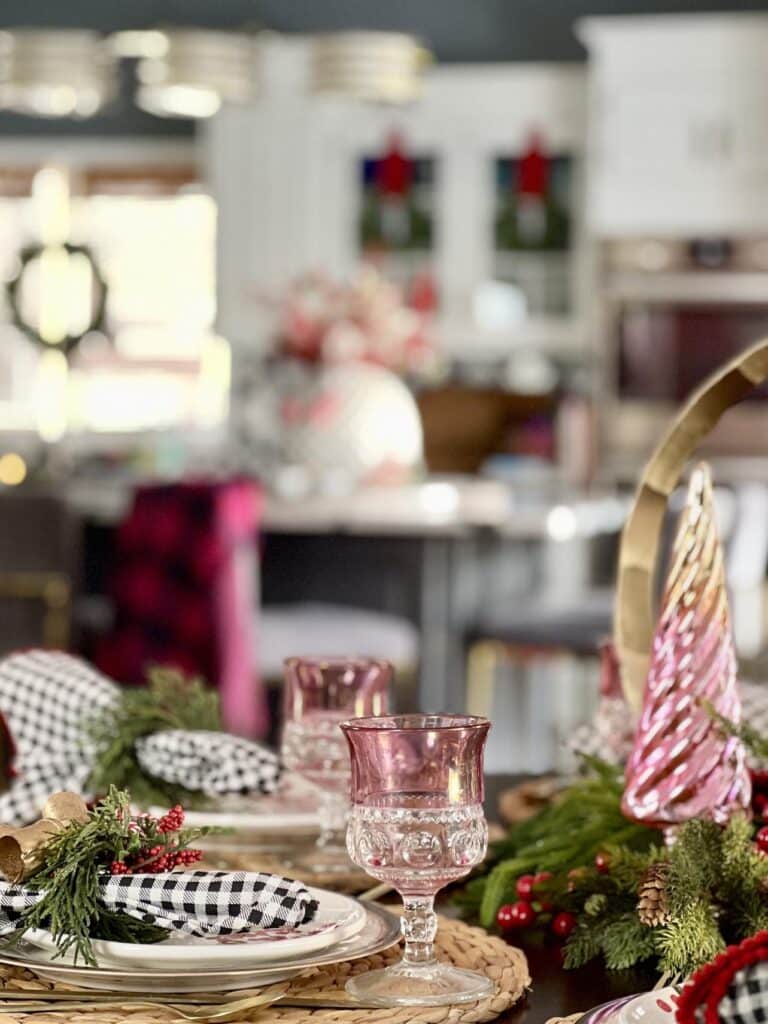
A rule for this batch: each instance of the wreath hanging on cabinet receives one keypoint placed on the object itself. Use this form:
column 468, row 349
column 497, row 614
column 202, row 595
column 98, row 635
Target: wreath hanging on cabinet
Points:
column 28, row 257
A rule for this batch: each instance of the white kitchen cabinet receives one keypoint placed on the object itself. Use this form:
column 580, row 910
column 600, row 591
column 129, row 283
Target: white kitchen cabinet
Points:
column 285, row 173
column 678, row 124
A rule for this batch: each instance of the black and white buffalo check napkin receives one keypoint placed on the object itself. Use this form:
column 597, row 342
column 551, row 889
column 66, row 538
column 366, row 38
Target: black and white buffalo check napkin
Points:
column 47, row 699
column 213, row 763
column 203, row 903
column 746, row 1001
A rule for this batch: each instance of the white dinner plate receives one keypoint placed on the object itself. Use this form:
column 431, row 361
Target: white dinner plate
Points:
column 293, row 808
column 380, row 930
column 338, row 918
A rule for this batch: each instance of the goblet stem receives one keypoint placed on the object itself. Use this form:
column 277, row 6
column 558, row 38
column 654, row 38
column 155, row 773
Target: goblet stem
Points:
column 334, row 811
column 419, row 927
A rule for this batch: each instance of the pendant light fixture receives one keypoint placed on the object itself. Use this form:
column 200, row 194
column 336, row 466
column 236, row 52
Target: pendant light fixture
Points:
column 191, row 72
column 385, row 67
column 56, row 72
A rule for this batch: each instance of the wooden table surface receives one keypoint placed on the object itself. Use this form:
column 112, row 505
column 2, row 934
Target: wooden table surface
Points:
column 558, row 993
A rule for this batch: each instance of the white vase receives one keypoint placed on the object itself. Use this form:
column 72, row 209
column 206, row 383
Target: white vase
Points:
column 353, row 424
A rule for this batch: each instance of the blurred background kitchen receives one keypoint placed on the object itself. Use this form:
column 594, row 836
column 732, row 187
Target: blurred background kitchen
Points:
column 344, row 327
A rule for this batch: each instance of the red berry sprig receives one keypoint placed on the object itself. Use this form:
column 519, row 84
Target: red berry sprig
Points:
column 563, row 924
column 602, row 863
column 761, row 839
column 172, row 821
column 153, row 845
column 513, row 916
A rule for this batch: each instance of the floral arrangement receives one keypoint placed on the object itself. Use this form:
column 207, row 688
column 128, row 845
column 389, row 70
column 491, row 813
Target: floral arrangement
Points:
column 321, row 321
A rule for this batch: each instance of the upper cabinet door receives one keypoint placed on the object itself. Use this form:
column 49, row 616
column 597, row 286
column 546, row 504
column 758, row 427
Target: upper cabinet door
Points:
column 678, row 124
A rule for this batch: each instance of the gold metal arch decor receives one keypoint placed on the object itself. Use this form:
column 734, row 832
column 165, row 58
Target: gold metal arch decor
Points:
column 634, row 619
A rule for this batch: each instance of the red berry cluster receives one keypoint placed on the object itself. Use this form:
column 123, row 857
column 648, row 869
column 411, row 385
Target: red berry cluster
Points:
column 169, row 860
column 153, row 845
column 172, row 821
column 533, row 908
column 761, row 840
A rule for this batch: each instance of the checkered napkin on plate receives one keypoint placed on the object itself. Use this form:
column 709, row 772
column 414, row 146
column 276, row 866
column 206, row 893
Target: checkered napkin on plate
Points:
column 47, row 699
column 204, row 903
column 732, row 988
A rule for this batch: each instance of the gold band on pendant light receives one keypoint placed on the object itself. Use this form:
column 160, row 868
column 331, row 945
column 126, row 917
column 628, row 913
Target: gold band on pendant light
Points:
column 634, row 621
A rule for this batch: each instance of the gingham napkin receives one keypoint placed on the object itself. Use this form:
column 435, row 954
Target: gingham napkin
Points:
column 732, row 988
column 213, row 763
column 47, row 699
column 204, row 903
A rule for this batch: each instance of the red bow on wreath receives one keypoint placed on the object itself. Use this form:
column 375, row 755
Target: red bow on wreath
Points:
column 732, row 989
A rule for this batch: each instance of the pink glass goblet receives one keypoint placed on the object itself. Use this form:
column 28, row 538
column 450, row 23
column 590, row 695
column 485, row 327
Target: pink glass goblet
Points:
column 417, row 823
column 321, row 693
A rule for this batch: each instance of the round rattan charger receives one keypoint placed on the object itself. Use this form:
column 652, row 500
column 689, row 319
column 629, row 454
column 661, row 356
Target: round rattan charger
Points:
column 456, row 942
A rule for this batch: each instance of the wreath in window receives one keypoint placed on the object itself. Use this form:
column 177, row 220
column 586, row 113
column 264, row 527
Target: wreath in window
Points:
column 70, row 299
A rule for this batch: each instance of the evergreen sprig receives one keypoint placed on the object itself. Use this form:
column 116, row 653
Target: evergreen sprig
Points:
column 568, row 833
column 171, row 700
column 75, row 861
column 715, row 892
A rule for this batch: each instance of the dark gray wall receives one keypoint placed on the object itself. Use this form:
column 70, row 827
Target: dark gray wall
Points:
column 457, row 30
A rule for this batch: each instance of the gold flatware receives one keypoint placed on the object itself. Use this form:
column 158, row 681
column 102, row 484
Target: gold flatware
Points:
column 221, row 1011
column 210, row 1014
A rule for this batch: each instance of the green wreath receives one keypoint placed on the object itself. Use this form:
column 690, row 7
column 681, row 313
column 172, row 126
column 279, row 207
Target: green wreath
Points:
column 67, row 344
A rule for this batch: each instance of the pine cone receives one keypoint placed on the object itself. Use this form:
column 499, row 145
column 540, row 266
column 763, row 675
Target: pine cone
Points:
column 653, row 902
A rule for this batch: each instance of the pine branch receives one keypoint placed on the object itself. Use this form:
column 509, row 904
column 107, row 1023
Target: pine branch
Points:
column 169, row 701
column 755, row 742
column 626, row 942
column 690, row 939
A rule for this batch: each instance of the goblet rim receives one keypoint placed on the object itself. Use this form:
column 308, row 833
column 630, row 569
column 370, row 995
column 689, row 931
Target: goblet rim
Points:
column 394, row 723
column 324, row 661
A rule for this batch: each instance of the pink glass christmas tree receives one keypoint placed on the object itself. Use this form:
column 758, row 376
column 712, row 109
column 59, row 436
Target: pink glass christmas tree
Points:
column 682, row 764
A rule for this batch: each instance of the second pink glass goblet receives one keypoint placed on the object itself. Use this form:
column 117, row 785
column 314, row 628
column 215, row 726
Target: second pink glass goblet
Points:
column 417, row 823
column 320, row 693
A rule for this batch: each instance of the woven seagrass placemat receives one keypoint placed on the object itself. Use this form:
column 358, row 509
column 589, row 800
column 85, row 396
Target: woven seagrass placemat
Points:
column 457, row 943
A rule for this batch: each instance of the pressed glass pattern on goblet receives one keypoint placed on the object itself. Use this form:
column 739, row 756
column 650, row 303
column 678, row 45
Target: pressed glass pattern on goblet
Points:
column 417, row 823
column 321, row 693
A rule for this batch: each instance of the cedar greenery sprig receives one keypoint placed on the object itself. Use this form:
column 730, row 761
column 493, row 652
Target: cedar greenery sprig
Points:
column 170, row 700
column 76, row 860
column 584, row 820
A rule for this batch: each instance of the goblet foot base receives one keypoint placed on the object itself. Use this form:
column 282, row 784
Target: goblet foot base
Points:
column 432, row 984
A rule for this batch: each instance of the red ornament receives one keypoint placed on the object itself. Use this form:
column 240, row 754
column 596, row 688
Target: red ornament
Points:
column 524, row 887
column 563, row 924
column 761, row 839
column 515, row 915
column 602, row 863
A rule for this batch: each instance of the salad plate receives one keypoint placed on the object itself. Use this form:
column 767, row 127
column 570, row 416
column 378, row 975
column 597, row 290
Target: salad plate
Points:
column 338, row 918
column 380, row 930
